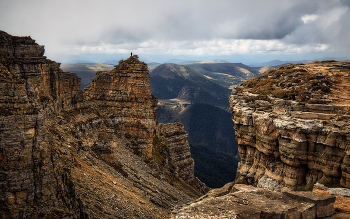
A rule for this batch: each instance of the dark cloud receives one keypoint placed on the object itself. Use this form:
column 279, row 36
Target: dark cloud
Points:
column 140, row 24
column 331, row 27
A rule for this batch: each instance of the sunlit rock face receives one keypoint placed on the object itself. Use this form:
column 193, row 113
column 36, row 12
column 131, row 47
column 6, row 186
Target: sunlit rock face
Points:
column 68, row 153
column 292, row 126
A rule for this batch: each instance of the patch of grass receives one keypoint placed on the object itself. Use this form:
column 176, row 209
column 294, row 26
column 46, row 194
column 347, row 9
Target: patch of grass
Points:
column 160, row 151
column 291, row 82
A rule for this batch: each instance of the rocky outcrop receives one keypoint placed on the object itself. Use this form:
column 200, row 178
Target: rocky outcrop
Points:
column 126, row 91
column 292, row 127
column 32, row 88
column 243, row 201
column 67, row 153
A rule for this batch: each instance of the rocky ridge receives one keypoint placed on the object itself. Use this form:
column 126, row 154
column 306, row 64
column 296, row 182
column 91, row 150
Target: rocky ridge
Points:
column 292, row 126
column 96, row 153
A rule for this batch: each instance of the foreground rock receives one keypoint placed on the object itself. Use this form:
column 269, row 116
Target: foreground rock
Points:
column 243, row 201
column 97, row 153
column 292, row 126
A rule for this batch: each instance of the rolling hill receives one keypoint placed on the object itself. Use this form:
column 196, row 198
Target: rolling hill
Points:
column 228, row 74
column 172, row 81
column 85, row 71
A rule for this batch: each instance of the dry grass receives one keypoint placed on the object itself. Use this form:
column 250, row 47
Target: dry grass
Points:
column 310, row 83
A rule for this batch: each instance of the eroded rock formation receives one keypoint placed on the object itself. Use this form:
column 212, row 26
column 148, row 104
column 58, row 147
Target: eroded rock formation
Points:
column 292, row 127
column 67, row 153
column 125, row 93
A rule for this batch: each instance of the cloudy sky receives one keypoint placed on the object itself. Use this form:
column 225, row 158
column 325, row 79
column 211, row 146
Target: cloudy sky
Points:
column 235, row 30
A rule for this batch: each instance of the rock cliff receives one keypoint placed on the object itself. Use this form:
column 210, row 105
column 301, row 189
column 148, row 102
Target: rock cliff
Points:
column 292, row 127
column 96, row 153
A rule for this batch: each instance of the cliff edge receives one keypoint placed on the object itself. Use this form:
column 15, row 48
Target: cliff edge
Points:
column 96, row 153
column 292, row 126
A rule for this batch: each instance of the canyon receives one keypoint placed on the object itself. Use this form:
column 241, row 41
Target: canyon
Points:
column 92, row 153
column 100, row 152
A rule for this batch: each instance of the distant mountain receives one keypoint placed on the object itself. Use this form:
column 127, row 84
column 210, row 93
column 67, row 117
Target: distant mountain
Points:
column 83, row 62
column 169, row 81
column 152, row 65
column 111, row 62
column 279, row 62
column 85, row 71
column 227, row 74
column 181, row 61
column 220, row 61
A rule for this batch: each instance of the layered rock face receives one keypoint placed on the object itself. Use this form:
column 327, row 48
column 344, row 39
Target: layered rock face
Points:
column 174, row 137
column 67, row 153
column 126, row 92
column 292, row 127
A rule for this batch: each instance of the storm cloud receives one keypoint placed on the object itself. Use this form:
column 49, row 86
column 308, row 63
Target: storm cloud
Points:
column 181, row 27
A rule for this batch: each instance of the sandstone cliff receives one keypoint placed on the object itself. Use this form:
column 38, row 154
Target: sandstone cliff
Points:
column 97, row 153
column 292, row 127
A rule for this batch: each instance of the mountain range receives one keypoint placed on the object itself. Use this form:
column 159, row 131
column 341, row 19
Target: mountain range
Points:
column 228, row 74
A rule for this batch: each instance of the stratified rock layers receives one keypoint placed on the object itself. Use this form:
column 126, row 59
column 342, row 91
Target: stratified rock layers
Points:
column 126, row 91
column 67, row 153
column 285, row 143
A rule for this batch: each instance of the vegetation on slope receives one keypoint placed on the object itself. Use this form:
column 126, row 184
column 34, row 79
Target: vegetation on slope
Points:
column 310, row 83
